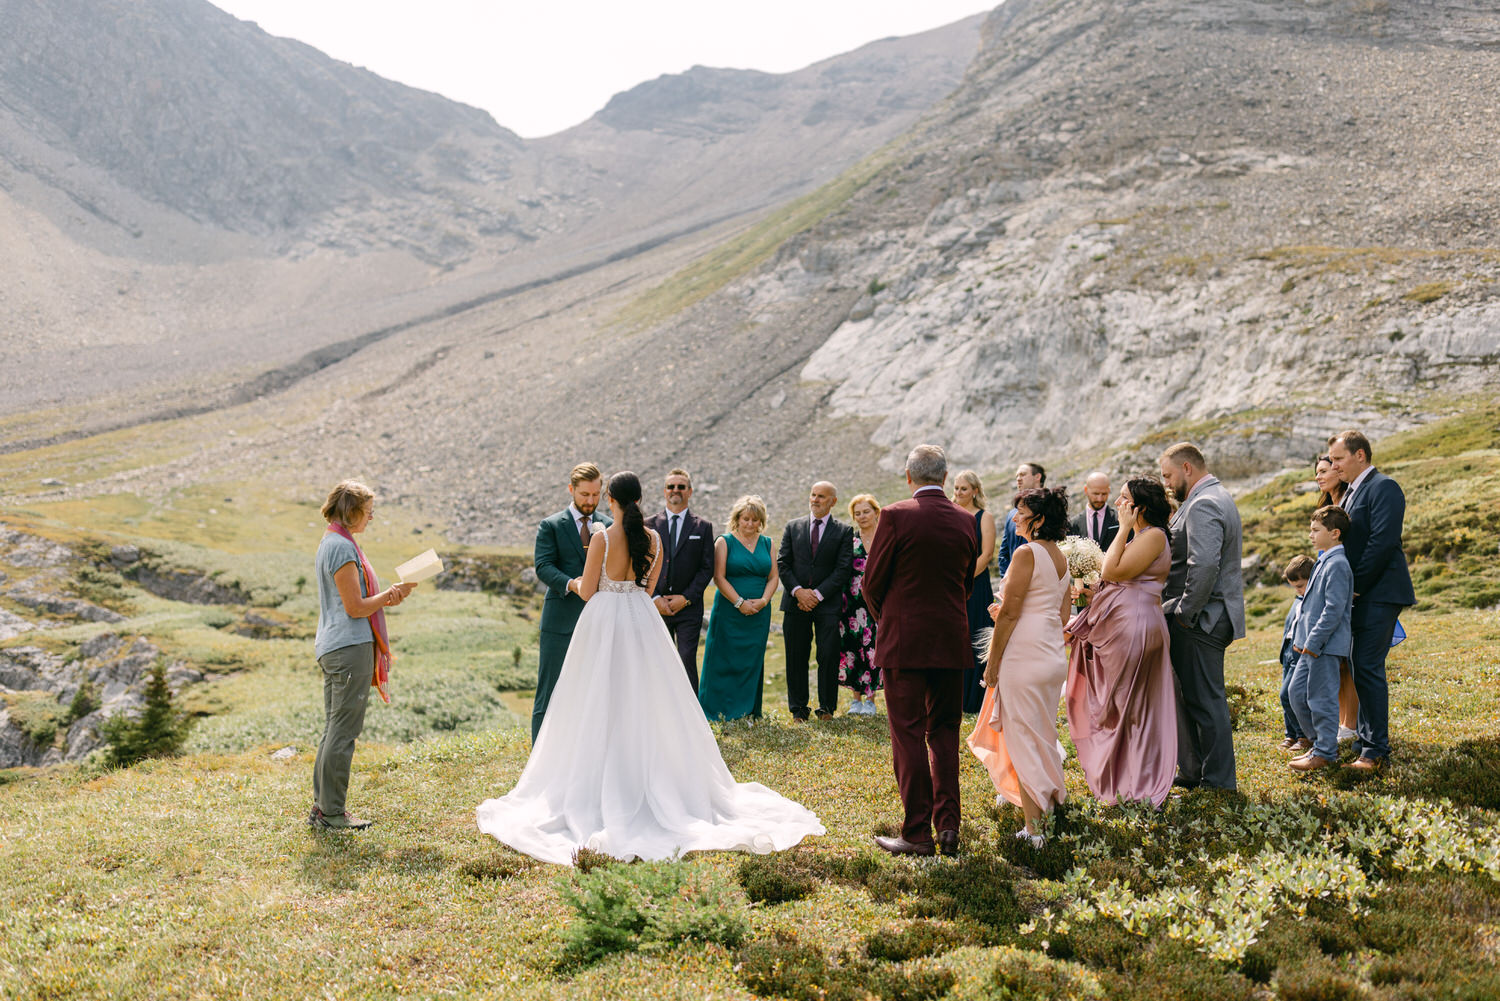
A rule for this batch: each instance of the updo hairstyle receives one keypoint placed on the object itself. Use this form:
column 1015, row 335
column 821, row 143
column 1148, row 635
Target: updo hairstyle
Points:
column 1049, row 512
column 346, row 501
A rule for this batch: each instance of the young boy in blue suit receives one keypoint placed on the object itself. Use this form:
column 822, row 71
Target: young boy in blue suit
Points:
column 1320, row 638
column 1297, row 573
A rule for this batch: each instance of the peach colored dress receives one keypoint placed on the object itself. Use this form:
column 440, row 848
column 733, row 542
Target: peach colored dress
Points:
column 1016, row 736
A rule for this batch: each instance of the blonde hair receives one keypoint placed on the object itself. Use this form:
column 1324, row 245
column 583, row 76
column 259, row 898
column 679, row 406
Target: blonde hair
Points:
column 584, row 472
column 864, row 499
column 971, row 478
column 346, row 501
column 751, row 503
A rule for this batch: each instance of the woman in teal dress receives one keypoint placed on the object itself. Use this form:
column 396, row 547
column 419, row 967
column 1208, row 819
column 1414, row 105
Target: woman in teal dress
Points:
column 734, row 656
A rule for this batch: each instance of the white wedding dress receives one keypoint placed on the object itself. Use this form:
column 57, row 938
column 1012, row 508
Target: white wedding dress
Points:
column 625, row 762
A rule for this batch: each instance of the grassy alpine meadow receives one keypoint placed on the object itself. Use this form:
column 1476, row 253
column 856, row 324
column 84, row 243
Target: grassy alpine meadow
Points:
column 196, row 877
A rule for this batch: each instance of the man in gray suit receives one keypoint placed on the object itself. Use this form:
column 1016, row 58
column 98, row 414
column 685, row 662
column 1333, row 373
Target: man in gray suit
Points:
column 562, row 546
column 1204, row 601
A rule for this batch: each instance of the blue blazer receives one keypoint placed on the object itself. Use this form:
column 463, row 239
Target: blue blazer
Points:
column 1373, row 542
column 1323, row 627
column 1288, row 655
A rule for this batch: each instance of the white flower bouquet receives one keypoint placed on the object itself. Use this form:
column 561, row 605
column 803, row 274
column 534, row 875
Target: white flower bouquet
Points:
column 1085, row 561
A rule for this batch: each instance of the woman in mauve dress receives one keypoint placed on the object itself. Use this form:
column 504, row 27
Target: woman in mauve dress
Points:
column 1122, row 710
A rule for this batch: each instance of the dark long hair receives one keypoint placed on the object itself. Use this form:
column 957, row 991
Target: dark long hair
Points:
column 625, row 488
column 1325, row 498
column 1049, row 511
column 1150, row 499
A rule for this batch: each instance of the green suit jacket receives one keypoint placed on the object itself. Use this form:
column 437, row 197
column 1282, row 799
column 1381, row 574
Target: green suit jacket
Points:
column 559, row 557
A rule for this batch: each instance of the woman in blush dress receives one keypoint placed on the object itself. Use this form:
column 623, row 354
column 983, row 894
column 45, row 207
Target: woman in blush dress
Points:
column 857, row 670
column 968, row 494
column 1016, row 735
column 1122, row 709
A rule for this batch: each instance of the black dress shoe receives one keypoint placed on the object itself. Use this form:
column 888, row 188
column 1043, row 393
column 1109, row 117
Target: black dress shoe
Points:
column 900, row 846
column 948, row 842
column 1184, row 783
column 824, row 714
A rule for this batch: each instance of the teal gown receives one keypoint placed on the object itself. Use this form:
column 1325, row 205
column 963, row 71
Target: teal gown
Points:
column 734, row 656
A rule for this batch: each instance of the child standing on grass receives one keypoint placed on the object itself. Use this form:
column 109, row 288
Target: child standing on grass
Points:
column 1297, row 573
column 1321, row 637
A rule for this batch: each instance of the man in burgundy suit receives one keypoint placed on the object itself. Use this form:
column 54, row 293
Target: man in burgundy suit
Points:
column 917, row 582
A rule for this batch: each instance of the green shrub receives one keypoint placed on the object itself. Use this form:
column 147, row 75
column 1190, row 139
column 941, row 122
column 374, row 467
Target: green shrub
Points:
column 496, row 867
column 158, row 731
column 648, row 907
column 920, row 938
column 1317, row 981
column 776, row 878
column 978, row 887
column 780, row 966
column 37, row 715
column 85, row 701
column 1467, row 773
column 587, row 860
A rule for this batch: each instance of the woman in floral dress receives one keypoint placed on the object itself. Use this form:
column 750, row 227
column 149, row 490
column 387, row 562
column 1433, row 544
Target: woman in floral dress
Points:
column 857, row 670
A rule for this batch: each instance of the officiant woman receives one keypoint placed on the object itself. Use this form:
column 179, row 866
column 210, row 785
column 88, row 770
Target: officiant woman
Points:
column 351, row 646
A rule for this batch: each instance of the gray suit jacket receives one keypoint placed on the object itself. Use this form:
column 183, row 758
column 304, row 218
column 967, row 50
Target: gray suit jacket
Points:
column 1205, row 583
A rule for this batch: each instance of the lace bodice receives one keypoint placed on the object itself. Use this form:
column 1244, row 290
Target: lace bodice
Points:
column 609, row 584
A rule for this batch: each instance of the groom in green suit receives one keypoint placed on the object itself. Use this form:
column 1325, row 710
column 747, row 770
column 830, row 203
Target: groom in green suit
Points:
column 562, row 543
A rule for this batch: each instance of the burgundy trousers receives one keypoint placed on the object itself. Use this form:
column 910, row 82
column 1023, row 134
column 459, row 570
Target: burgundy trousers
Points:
column 925, row 709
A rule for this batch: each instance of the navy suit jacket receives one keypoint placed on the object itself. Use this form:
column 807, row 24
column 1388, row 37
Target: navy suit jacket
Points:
column 689, row 566
column 1373, row 542
column 827, row 573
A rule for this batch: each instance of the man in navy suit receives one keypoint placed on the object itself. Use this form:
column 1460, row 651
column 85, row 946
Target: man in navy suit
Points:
column 562, row 542
column 815, row 562
column 1382, row 586
column 688, row 545
column 1029, row 476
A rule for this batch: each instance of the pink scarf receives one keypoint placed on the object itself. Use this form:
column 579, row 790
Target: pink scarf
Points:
column 381, row 681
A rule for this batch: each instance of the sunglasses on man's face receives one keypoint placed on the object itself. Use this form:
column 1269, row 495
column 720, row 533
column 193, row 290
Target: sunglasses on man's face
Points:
column 678, row 487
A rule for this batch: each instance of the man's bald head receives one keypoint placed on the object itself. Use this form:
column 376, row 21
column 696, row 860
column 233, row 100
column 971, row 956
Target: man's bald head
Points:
column 1096, row 489
column 823, row 497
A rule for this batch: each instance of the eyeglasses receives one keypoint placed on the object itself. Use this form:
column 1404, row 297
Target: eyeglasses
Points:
column 677, row 488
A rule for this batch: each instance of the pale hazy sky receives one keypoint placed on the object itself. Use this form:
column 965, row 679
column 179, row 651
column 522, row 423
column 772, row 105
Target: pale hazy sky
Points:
column 541, row 67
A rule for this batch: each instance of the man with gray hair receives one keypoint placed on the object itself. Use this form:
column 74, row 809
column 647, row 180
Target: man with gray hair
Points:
column 1204, row 601
column 917, row 581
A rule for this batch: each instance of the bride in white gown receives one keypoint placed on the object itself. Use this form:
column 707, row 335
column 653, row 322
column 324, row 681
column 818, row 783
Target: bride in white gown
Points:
column 625, row 762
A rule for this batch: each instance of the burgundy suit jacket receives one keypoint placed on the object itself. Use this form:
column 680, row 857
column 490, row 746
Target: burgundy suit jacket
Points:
column 917, row 581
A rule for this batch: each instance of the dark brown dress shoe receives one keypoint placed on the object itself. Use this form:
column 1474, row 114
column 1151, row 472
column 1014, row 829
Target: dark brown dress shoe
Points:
column 948, row 842
column 900, row 846
column 824, row 714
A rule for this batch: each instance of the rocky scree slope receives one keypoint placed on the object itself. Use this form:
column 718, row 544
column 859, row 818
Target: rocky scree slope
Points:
column 1247, row 223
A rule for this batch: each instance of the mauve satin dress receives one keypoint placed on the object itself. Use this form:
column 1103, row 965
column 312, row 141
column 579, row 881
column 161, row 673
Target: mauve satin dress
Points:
column 1122, row 710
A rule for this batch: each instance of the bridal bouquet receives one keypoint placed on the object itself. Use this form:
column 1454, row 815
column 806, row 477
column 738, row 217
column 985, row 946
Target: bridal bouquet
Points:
column 1085, row 560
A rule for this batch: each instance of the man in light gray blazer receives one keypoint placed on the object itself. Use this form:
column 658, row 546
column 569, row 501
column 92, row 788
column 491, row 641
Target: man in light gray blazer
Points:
column 1204, row 601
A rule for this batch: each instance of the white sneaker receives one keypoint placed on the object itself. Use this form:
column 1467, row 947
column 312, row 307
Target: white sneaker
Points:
column 1346, row 734
column 854, row 709
column 867, row 708
column 1036, row 839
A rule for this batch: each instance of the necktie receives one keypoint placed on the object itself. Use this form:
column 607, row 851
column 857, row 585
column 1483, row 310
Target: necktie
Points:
column 817, row 526
column 1098, row 526
column 673, row 529
column 583, row 530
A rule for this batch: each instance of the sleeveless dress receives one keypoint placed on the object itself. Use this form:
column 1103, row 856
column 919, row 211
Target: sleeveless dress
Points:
column 1016, row 735
column 625, row 763
column 1122, row 710
column 733, row 677
column 857, row 668
column 980, row 624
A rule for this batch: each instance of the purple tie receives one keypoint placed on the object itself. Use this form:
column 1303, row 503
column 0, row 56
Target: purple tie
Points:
column 817, row 524
column 1098, row 527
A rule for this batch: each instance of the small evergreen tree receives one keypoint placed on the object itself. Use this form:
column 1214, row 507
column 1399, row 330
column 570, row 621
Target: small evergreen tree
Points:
column 157, row 732
column 85, row 701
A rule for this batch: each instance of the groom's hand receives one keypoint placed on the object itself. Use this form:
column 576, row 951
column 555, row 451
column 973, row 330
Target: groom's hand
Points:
column 661, row 605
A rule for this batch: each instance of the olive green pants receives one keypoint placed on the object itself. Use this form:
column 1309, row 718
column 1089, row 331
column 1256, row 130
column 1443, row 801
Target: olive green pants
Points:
column 346, row 692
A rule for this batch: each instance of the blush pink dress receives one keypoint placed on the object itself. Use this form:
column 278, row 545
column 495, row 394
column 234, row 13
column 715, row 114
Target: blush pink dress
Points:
column 1122, row 710
column 1016, row 736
